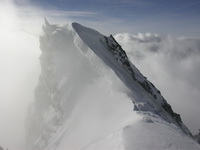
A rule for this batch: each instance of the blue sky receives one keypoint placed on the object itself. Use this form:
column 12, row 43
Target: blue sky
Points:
column 21, row 24
column 178, row 17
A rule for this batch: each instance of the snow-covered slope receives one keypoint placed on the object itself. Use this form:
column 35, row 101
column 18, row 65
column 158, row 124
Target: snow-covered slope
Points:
column 86, row 95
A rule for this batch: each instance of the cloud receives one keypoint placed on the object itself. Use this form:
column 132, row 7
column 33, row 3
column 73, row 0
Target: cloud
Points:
column 162, row 59
column 32, row 11
column 20, row 28
column 173, row 64
column 124, row 3
column 19, row 65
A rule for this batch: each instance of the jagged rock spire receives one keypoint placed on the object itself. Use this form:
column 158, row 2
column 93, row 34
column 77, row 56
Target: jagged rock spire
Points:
column 47, row 27
column 46, row 22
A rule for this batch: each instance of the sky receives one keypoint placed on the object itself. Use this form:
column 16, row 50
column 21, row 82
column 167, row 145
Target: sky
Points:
column 173, row 65
column 178, row 17
column 175, row 57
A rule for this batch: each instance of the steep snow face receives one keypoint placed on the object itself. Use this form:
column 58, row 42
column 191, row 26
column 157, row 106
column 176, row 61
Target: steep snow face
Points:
column 76, row 91
column 85, row 96
column 115, row 57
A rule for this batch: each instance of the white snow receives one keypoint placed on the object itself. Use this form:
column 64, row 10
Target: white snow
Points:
column 87, row 100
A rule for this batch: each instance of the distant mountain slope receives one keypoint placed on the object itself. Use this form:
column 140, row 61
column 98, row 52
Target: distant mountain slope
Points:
column 85, row 96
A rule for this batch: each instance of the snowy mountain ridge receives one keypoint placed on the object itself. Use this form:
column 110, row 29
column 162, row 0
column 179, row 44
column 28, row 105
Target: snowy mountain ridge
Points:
column 85, row 98
column 121, row 57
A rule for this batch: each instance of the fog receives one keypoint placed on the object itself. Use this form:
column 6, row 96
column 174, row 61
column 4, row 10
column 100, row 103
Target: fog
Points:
column 171, row 63
column 19, row 52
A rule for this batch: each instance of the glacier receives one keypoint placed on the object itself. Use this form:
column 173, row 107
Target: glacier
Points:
column 90, row 96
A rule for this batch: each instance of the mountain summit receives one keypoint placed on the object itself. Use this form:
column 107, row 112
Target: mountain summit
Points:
column 90, row 96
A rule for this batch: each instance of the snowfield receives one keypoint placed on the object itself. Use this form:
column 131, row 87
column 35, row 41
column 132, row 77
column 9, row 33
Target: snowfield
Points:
column 86, row 97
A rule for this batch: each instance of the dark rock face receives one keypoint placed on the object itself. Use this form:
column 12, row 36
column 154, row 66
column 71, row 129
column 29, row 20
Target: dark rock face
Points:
column 168, row 109
column 197, row 137
column 119, row 54
column 121, row 57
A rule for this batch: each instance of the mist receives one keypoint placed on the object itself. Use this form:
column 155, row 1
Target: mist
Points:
column 19, row 52
column 172, row 64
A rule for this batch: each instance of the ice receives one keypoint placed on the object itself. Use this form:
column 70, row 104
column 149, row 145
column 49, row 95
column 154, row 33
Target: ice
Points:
column 86, row 100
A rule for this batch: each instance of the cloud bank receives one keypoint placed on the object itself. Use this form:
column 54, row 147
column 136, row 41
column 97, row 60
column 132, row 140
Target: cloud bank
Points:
column 19, row 52
column 173, row 64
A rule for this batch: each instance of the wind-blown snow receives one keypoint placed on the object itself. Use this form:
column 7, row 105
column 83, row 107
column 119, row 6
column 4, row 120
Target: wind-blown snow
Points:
column 173, row 65
column 85, row 98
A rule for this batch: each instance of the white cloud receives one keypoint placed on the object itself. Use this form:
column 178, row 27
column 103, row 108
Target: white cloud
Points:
column 157, row 57
column 173, row 64
column 161, row 58
column 20, row 28
column 19, row 72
